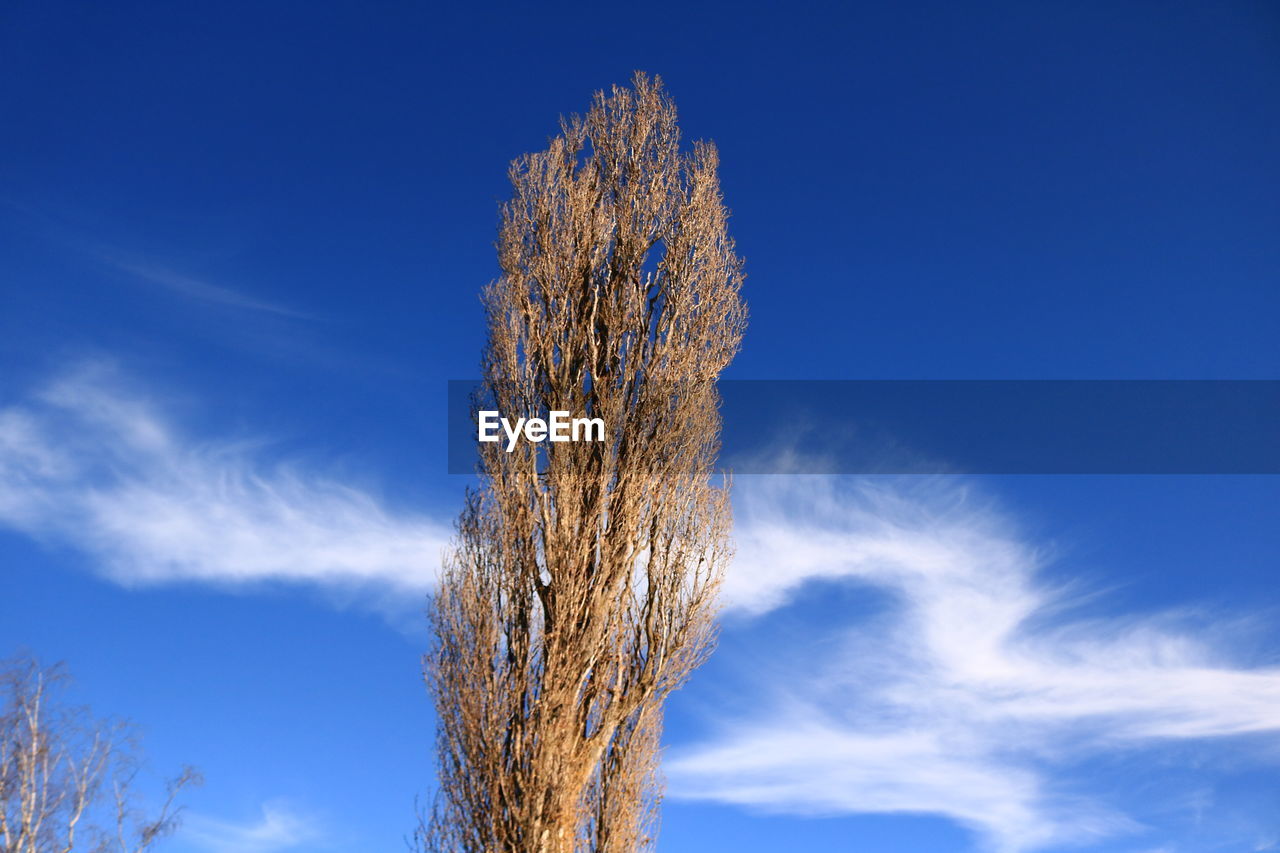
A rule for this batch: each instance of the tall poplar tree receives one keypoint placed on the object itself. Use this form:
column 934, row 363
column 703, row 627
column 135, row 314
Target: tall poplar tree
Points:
column 582, row 587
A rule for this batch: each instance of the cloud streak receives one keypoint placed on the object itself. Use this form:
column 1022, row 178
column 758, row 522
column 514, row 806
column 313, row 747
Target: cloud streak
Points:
column 970, row 693
column 91, row 462
column 278, row 827
column 194, row 288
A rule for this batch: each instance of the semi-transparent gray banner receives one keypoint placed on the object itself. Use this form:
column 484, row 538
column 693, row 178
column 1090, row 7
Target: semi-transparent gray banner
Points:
column 968, row 426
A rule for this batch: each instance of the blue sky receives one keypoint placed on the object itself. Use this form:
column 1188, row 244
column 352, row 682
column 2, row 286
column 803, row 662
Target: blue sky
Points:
column 241, row 251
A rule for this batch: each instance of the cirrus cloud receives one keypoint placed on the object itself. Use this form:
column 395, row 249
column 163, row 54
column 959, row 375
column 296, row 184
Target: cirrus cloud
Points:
column 91, row 461
column 971, row 694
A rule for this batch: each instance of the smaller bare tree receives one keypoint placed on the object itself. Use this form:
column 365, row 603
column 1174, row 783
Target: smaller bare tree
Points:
column 67, row 779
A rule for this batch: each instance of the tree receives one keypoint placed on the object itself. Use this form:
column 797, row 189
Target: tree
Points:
column 583, row 583
column 67, row 779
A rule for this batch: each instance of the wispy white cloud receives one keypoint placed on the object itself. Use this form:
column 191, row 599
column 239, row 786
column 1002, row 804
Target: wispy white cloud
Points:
column 80, row 231
column 90, row 461
column 194, row 288
column 277, row 827
column 970, row 692
column 970, row 695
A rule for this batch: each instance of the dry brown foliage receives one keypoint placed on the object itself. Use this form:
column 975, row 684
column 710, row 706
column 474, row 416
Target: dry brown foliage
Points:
column 66, row 778
column 582, row 588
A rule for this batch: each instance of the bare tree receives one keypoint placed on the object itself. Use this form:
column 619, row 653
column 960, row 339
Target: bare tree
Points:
column 67, row 779
column 583, row 584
